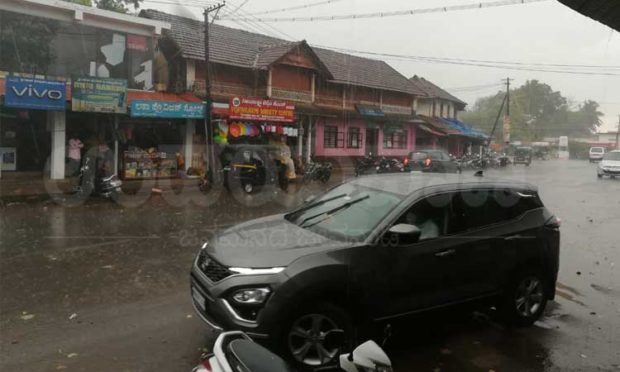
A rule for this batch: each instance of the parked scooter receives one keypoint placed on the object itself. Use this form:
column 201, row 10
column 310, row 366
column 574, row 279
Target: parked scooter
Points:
column 235, row 351
column 387, row 165
column 317, row 171
column 94, row 181
column 364, row 164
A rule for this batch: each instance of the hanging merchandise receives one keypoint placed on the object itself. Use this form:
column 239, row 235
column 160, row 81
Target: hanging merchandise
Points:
column 234, row 130
column 280, row 130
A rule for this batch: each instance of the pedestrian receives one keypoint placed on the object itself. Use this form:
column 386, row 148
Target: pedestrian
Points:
column 75, row 155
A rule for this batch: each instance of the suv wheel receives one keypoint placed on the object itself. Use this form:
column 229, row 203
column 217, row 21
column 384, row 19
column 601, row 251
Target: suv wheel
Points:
column 525, row 300
column 304, row 338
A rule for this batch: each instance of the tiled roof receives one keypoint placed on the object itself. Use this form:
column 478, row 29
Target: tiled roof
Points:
column 349, row 69
column 433, row 90
column 246, row 49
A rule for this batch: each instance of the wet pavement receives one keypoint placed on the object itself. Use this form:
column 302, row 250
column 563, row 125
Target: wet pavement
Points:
column 103, row 286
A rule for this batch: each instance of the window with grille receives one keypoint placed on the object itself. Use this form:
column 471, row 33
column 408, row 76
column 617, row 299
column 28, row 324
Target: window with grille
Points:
column 354, row 139
column 397, row 140
column 332, row 138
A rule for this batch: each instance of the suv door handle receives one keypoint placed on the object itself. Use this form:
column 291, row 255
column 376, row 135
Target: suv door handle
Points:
column 513, row 237
column 449, row 252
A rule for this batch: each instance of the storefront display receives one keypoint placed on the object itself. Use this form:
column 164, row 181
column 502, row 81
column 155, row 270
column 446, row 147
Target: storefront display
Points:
column 142, row 164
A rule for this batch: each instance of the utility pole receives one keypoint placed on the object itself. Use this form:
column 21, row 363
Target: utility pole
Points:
column 618, row 134
column 507, row 122
column 207, row 121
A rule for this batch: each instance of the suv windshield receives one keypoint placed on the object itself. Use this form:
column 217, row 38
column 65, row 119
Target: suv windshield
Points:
column 597, row 149
column 347, row 212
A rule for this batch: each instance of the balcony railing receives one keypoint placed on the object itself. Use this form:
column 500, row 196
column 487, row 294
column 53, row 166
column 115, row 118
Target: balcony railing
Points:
column 289, row 95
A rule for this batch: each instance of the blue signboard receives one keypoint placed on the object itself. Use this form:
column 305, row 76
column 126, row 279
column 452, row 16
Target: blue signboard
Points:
column 36, row 94
column 167, row 109
column 373, row 111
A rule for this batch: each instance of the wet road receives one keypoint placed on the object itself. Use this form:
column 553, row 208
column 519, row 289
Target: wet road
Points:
column 104, row 286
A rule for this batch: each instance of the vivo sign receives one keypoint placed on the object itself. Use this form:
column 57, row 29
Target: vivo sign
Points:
column 35, row 94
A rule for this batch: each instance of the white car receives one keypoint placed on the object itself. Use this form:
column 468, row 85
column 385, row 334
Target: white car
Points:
column 596, row 153
column 610, row 165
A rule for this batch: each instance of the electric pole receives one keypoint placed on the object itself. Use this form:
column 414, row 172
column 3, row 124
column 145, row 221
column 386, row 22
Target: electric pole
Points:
column 207, row 121
column 507, row 122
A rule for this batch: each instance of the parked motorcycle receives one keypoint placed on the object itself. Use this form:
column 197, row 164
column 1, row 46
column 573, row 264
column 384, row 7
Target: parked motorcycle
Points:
column 235, row 351
column 317, row 171
column 94, row 181
column 386, row 165
column 364, row 164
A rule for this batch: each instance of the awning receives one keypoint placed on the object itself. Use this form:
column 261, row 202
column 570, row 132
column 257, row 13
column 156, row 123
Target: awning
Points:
column 438, row 125
column 430, row 130
column 465, row 129
column 368, row 110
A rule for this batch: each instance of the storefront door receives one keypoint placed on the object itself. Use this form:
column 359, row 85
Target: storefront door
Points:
column 371, row 140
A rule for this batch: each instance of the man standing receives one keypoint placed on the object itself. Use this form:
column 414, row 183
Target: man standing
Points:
column 75, row 155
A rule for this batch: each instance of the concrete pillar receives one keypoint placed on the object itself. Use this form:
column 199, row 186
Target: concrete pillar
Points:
column 269, row 82
column 190, row 73
column 309, row 143
column 188, row 143
column 313, row 88
column 56, row 124
column 116, row 120
column 300, row 139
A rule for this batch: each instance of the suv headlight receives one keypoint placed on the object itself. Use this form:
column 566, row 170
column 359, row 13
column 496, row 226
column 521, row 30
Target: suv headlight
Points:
column 249, row 296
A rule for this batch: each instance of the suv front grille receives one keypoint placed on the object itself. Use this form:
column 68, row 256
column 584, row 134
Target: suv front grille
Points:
column 213, row 269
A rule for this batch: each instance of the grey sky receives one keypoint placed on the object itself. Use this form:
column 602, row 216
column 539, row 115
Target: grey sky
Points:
column 545, row 32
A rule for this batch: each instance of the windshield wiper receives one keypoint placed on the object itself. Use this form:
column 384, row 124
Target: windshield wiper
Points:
column 312, row 205
column 332, row 211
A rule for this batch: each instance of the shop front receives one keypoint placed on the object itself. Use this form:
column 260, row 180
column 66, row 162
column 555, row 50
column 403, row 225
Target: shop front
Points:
column 26, row 122
column 160, row 138
column 256, row 121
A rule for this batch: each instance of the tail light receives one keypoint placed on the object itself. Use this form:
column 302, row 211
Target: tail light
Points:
column 205, row 366
column 427, row 162
column 406, row 161
column 553, row 223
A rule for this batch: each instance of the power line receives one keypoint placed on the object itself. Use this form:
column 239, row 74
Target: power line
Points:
column 254, row 21
column 442, row 9
column 463, row 62
column 297, row 7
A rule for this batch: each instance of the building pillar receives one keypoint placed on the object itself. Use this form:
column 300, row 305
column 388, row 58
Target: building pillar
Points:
column 313, row 88
column 190, row 74
column 300, row 139
column 57, row 126
column 269, row 82
column 116, row 120
column 188, row 142
column 309, row 140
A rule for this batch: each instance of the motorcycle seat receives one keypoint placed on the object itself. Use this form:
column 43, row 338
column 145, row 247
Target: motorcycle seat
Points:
column 248, row 356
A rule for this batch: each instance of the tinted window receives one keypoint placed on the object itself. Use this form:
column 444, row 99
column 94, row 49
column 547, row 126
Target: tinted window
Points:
column 597, row 150
column 612, row 156
column 478, row 208
column 418, row 155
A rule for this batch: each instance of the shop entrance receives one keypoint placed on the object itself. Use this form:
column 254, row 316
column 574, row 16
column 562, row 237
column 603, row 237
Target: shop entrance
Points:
column 25, row 143
column 371, row 140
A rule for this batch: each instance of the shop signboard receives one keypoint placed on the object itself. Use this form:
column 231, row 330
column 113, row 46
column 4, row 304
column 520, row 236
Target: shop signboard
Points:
column 92, row 94
column 372, row 111
column 167, row 109
column 35, row 94
column 261, row 110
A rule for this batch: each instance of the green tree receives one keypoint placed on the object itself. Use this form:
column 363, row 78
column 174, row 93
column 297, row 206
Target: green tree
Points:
column 119, row 6
column 81, row 2
column 536, row 111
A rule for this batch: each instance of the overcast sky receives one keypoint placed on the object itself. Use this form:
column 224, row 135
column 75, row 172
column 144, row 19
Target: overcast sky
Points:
column 542, row 32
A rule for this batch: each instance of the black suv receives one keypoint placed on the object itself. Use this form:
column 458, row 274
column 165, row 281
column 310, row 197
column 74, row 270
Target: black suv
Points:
column 376, row 248
column 437, row 161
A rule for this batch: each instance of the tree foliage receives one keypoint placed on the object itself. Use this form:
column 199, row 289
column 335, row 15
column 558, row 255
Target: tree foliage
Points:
column 120, row 6
column 536, row 111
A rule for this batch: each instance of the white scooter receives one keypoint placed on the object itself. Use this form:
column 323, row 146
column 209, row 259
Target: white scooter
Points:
column 235, row 351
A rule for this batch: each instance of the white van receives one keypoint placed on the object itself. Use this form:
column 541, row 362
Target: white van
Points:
column 563, row 148
column 596, row 153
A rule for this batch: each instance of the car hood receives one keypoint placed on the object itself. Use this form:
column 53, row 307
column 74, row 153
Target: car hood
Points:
column 267, row 242
column 610, row 163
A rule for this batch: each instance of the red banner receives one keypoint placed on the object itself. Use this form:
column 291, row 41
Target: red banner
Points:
column 261, row 109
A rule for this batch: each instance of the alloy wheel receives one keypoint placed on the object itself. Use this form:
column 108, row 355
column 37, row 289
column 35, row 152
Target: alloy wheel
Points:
column 529, row 296
column 306, row 340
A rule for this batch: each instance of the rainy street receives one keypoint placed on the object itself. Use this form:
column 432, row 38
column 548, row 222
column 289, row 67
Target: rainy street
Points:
column 104, row 286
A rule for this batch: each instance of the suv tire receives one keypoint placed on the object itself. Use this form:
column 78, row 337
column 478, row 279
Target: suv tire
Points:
column 524, row 300
column 302, row 337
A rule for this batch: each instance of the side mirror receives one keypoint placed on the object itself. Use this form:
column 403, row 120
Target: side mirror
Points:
column 405, row 234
